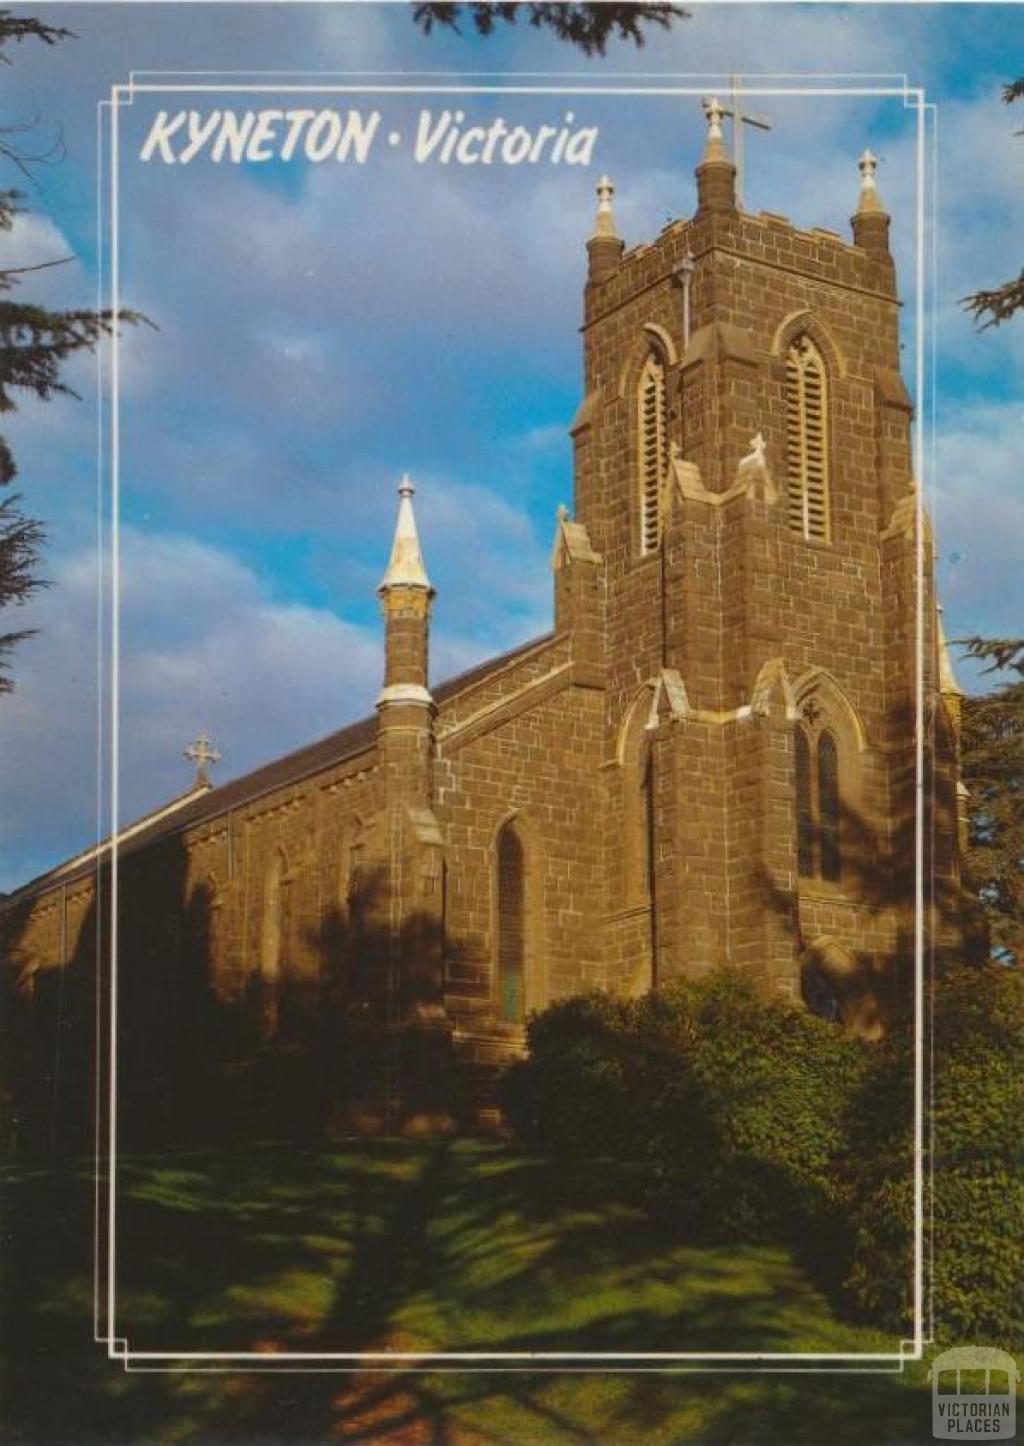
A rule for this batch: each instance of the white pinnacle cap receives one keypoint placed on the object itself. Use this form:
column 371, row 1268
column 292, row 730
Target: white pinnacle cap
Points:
column 604, row 222
column 405, row 566
column 869, row 199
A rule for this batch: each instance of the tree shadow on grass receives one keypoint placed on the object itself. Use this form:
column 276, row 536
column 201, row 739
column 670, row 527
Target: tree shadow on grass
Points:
column 407, row 1246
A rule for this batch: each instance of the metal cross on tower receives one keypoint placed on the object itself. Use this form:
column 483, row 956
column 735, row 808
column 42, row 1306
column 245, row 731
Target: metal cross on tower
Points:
column 739, row 120
column 202, row 753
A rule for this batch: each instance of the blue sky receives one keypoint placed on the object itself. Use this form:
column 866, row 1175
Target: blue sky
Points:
column 323, row 328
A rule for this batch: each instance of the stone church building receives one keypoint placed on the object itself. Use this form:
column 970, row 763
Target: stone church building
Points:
column 709, row 760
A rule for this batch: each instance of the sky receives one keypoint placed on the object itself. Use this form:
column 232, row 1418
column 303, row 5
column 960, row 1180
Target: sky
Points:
column 317, row 329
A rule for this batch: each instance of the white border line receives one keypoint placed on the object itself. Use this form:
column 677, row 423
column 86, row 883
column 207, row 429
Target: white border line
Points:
column 913, row 98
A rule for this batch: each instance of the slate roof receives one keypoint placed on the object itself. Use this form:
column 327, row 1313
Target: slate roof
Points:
column 314, row 758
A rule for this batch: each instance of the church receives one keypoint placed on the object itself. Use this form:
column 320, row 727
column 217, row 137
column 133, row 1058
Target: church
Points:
column 711, row 759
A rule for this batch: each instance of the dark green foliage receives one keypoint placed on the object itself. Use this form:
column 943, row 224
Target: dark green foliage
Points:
column 20, row 541
column 977, row 1159
column 35, row 343
column 27, row 27
column 730, row 1098
column 774, row 1080
column 574, row 1093
column 587, row 26
column 992, row 765
column 748, row 1119
column 990, row 308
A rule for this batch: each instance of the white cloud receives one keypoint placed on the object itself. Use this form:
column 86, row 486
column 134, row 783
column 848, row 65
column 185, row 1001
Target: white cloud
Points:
column 316, row 338
column 203, row 647
column 979, row 520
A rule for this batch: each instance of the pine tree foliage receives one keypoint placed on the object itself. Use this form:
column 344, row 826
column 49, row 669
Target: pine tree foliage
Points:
column 588, row 27
column 35, row 343
column 993, row 772
column 992, row 307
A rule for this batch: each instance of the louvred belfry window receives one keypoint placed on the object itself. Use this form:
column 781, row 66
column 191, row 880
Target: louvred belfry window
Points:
column 807, row 440
column 653, row 432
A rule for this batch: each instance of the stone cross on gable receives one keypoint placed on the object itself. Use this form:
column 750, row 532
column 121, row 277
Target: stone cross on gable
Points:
column 202, row 753
column 739, row 120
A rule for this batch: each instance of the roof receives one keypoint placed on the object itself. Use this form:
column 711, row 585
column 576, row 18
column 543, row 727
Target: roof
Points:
column 314, row 758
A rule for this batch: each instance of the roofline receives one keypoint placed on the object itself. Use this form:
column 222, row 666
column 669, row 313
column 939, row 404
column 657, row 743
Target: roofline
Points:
column 77, row 867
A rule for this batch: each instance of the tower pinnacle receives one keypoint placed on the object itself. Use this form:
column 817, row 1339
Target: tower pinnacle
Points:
column 869, row 197
column 715, row 112
column 406, row 567
column 871, row 221
column 716, row 174
column 604, row 221
column 605, row 246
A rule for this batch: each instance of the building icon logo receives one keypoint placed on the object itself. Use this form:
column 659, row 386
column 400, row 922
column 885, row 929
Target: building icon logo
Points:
column 989, row 1412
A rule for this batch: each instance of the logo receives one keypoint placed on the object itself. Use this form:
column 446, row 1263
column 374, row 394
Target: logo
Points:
column 974, row 1394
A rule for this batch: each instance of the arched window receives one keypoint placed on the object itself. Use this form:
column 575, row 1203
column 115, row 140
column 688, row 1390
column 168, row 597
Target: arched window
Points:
column 807, row 440
column 804, row 806
column 272, row 942
column 511, row 925
column 347, row 865
column 637, row 774
column 828, row 808
column 652, row 448
column 647, row 821
column 816, row 785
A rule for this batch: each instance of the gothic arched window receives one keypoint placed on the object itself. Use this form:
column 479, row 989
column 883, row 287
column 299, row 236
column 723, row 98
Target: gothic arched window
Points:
column 816, row 784
column 828, row 808
column 511, row 925
column 637, row 804
column 652, row 448
column 804, row 806
column 272, row 942
column 807, row 440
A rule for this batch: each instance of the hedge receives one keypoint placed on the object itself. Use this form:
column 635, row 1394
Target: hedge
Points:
column 748, row 1118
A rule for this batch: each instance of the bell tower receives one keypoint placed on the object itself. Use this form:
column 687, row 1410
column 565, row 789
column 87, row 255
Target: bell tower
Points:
column 742, row 466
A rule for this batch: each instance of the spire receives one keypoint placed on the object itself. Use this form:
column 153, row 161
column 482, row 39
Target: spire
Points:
column 406, row 567
column 716, row 174
column 871, row 220
column 605, row 246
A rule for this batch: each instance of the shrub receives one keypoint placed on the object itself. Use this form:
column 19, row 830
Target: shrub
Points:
column 773, row 1081
column 732, row 1100
column 977, row 1157
column 574, row 1095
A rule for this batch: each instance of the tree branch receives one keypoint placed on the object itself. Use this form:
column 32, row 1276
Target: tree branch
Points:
column 587, row 26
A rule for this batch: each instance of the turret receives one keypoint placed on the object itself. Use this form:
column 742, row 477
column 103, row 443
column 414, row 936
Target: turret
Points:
column 405, row 704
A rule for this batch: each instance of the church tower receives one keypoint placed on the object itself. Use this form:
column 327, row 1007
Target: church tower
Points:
column 742, row 466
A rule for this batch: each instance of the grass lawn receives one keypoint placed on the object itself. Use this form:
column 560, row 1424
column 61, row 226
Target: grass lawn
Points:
column 410, row 1245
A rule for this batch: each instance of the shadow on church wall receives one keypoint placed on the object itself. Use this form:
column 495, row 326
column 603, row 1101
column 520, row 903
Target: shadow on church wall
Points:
column 855, row 936
column 349, row 1036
